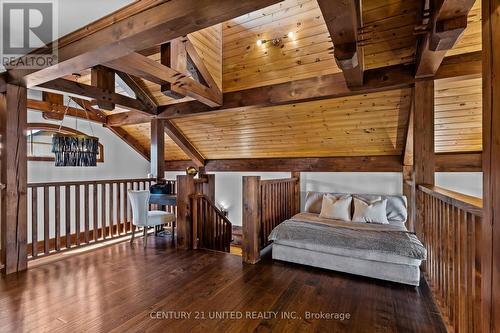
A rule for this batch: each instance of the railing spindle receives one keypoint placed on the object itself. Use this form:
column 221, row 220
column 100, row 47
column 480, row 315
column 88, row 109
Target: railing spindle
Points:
column 34, row 222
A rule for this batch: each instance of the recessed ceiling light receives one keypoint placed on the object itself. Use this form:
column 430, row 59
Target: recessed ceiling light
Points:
column 259, row 42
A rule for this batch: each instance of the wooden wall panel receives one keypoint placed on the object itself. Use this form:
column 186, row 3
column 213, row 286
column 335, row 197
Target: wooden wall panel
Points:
column 373, row 124
column 387, row 33
column 142, row 133
column 307, row 54
column 458, row 112
column 471, row 39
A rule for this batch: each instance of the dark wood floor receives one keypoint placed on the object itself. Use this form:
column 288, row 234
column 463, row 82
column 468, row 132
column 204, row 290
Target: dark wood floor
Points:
column 120, row 288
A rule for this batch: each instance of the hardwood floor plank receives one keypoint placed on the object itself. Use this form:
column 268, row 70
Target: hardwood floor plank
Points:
column 117, row 288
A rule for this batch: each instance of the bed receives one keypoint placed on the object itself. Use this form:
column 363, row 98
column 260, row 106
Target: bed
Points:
column 382, row 251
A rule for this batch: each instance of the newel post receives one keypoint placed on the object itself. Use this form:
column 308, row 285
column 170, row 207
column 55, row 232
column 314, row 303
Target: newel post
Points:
column 251, row 219
column 14, row 176
column 185, row 188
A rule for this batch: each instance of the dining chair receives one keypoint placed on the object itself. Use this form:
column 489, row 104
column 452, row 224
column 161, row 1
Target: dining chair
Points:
column 145, row 218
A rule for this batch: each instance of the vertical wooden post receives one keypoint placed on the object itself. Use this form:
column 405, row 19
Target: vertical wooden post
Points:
column 209, row 187
column 423, row 141
column 297, row 192
column 14, row 171
column 251, row 219
column 173, row 54
column 157, row 148
column 489, row 249
column 103, row 78
column 185, row 188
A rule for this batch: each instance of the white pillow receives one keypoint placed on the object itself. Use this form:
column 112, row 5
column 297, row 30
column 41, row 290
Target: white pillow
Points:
column 375, row 212
column 336, row 208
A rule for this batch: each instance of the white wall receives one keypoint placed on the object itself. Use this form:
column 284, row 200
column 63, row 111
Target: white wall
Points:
column 228, row 185
column 470, row 183
column 120, row 161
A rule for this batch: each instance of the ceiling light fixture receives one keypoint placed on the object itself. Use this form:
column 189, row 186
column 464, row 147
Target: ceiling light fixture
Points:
column 277, row 41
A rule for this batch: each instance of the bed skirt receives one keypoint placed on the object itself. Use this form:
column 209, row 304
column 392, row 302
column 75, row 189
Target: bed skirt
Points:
column 400, row 273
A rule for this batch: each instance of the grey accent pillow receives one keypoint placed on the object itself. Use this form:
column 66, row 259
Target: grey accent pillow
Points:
column 396, row 204
column 374, row 212
column 336, row 208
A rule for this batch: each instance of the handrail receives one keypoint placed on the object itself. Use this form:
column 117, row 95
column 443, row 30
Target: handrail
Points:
column 90, row 182
column 212, row 204
column 466, row 202
column 211, row 228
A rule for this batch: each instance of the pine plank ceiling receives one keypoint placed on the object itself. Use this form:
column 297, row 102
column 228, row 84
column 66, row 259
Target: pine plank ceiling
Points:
column 373, row 124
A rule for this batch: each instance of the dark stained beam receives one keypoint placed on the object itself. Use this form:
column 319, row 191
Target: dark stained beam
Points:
column 446, row 25
column 142, row 94
column 52, row 99
column 131, row 141
column 47, row 107
column 103, row 78
column 87, row 106
column 127, row 118
column 3, row 82
column 489, row 228
column 187, row 147
column 76, row 89
column 14, row 176
column 137, row 31
column 157, row 148
column 459, row 162
column 322, row 164
column 173, row 54
column 343, row 20
column 146, row 68
column 318, row 88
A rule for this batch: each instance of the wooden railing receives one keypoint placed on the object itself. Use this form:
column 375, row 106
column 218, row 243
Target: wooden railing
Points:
column 68, row 215
column 449, row 225
column 211, row 229
column 266, row 203
column 277, row 203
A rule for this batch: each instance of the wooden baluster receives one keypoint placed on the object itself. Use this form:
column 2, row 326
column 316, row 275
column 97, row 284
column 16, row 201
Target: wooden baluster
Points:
column 34, row 222
column 463, row 265
column 111, row 210
column 119, row 221
column 57, row 218
column 78, row 214
column 194, row 208
column 46, row 220
column 94, row 213
column 123, row 203
column 478, row 319
column 456, row 292
column 470, row 258
column 129, row 209
column 86, row 213
column 67, row 218
column 104, row 230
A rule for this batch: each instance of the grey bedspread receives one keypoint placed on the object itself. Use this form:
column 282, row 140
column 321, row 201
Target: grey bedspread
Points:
column 307, row 228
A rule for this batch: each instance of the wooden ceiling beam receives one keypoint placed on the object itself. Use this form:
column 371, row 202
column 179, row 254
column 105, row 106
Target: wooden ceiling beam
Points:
column 459, row 162
column 142, row 94
column 61, row 110
column 52, row 99
column 130, row 140
column 148, row 69
column 136, row 31
column 446, row 25
column 3, row 82
column 183, row 143
column 79, row 90
column 103, row 78
column 173, row 55
column 343, row 19
column 86, row 105
column 320, row 164
column 317, row 88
